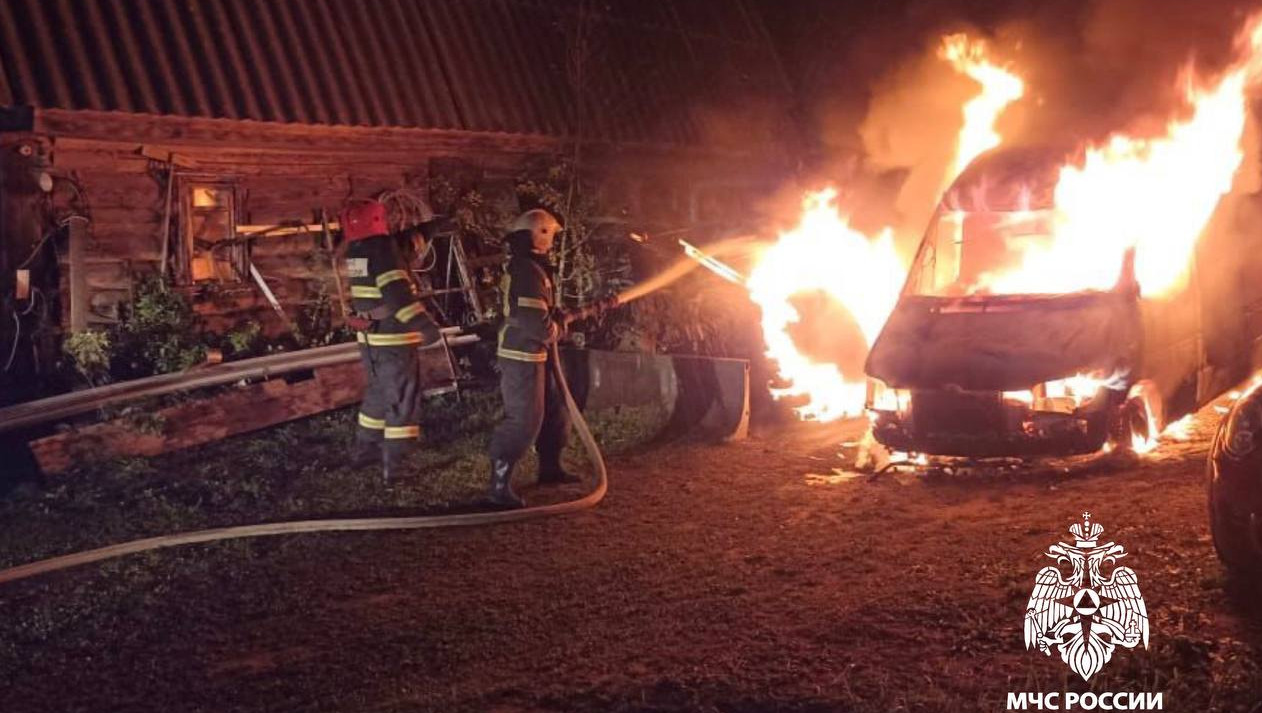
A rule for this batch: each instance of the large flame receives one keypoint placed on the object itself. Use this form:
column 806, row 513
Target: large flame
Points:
column 1153, row 195
column 999, row 88
column 823, row 253
column 863, row 274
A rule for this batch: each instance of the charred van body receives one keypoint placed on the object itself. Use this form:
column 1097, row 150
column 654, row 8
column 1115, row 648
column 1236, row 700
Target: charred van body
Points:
column 963, row 368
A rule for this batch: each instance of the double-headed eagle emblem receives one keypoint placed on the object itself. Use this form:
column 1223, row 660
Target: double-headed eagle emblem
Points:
column 1087, row 614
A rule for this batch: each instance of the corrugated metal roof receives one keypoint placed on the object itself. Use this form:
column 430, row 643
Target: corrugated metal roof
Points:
column 476, row 65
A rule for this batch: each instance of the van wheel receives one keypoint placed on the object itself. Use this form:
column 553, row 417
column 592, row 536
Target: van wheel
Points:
column 1137, row 423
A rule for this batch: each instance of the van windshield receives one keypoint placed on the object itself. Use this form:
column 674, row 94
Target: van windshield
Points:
column 963, row 252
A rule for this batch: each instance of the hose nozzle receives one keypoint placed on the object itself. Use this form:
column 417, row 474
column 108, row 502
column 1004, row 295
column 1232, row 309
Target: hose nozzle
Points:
column 590, row 310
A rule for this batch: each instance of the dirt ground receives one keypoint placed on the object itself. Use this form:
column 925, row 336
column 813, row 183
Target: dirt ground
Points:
column 738, row 577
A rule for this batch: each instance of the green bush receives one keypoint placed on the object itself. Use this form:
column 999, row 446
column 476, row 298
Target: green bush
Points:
column 158, row 333
column 244, row 338
column 89, row 352
column 315, row 325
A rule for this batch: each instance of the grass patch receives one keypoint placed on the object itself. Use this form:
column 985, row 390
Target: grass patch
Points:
column 298, row 470
column 295, row 471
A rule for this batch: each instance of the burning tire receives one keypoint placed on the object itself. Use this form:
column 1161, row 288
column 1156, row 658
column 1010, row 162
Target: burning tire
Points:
column 1235, row 487
column 1138, row 422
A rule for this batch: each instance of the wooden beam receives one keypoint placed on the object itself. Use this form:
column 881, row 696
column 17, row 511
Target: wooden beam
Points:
column 276, row 231
column 178, row 132
column 162, row 155
column 248, row 409
column 242, row 410
column 75, row 403
column 79, row 297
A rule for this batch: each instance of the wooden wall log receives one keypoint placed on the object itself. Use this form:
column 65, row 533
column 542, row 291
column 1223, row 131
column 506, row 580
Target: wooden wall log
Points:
column 181, row 132
column 122, row 190
column 292, row 172
column 122, row 216
column 107, row 275
column 288, row 247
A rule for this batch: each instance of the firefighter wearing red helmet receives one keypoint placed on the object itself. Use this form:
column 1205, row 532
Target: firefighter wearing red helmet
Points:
column 391, row 324
column 534, row 408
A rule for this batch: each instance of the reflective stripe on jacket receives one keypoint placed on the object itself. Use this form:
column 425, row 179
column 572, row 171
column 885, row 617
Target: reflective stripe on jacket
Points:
column 382, row 289
column 528, row 328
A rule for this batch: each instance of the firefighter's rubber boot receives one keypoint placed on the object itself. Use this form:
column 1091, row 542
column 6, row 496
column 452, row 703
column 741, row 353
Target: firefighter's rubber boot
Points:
column 365, row 453
column 501, row 495
column 551, row 472
column 391, row 466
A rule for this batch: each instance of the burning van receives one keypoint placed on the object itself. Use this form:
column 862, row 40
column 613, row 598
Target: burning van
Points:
column 970, row 364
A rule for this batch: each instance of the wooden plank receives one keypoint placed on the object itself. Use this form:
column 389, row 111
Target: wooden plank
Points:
column 278, row 231
column 254, row 407
column 78, row 275
column 242, row 410
column 161, row 155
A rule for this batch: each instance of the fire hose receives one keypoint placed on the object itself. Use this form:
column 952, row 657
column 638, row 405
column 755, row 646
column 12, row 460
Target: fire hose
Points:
column 422, row 522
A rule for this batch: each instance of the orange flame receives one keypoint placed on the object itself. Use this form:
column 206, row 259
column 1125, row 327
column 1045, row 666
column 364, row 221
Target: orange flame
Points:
column 1155, row 195
column 999, row 88
column 863, row 274
column 823, row 253
column 1180, row 430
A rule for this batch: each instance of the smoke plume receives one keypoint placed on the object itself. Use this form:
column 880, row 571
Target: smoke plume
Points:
column 1091, row 68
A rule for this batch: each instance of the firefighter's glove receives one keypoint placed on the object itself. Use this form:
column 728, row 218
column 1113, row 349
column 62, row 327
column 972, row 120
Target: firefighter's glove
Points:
column 557, row 323
column 592, row 310
column 358, row 323
column 428, row 329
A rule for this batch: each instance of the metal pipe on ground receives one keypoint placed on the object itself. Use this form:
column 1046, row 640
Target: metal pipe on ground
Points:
column 56, row 408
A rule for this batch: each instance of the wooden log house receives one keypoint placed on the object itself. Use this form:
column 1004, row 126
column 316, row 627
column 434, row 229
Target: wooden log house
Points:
column 134, row 131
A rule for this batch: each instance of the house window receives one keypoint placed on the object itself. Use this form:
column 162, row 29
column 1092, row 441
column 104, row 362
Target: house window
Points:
column 209, row 249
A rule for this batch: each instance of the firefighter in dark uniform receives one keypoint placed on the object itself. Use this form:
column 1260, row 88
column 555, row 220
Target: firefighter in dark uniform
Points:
column 534, row 407
column 391, row 325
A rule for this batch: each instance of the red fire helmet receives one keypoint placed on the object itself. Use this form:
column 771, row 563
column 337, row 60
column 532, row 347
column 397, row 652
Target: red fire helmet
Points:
column 364, row 219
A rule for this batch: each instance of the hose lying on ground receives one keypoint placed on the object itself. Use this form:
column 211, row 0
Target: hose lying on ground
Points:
column 679, row 269
column 343, row 525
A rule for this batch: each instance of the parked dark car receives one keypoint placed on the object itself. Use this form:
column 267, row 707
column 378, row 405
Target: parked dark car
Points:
column 1235, row 485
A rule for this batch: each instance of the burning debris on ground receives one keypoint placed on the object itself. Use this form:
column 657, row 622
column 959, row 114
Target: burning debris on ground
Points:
column 851, row 311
